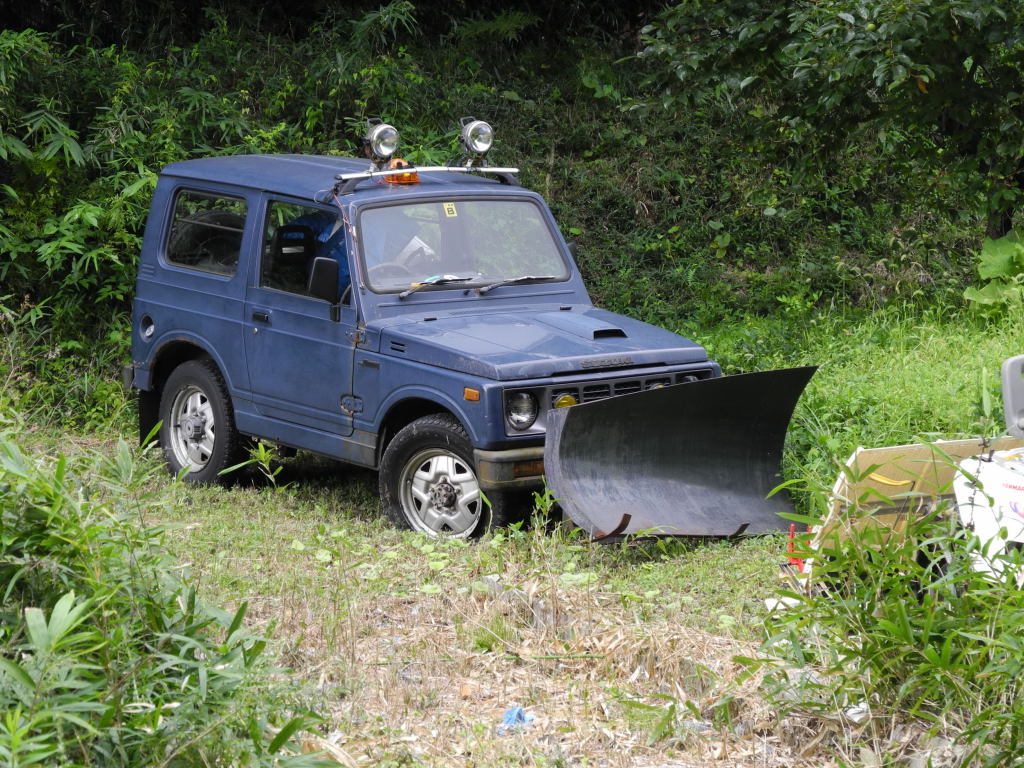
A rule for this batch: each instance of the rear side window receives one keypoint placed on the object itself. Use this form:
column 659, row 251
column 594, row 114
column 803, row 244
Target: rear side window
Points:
column 206, row 233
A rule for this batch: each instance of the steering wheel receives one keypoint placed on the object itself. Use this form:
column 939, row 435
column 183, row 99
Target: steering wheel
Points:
column 421, row 260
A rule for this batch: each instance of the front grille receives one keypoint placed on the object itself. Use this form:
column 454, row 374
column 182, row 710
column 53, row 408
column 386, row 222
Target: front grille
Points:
column 596, row 392
column 587, row 393
column 628, row 387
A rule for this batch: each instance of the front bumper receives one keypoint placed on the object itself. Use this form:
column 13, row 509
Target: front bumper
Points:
column 510, row 469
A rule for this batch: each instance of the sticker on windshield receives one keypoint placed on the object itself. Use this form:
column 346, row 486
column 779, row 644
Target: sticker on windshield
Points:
column 449, row 210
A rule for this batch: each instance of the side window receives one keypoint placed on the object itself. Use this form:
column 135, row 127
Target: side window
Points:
column 206, row 233
column 293, row 236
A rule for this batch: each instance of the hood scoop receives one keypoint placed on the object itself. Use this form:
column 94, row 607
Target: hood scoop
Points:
column 583, row 326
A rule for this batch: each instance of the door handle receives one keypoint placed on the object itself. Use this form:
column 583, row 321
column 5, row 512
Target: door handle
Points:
column 261, row 317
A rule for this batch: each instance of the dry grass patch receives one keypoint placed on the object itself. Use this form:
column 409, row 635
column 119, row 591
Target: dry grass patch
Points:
column 428, row 691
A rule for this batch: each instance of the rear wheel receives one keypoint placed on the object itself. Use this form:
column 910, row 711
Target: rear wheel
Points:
column 428, row 482
column 198, row 429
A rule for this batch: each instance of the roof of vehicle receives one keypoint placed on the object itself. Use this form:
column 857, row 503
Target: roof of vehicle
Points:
column 300, row 175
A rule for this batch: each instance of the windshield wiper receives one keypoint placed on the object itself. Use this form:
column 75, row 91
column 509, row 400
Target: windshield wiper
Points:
column 435, row 280
column 512, row 281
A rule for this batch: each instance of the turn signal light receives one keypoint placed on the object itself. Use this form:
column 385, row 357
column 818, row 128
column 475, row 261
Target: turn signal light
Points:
column 528, row 468
column 565, row 400
column 401, row 178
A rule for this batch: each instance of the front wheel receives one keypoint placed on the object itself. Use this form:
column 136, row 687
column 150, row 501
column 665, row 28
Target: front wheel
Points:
column 428, row 482
column 198, row 429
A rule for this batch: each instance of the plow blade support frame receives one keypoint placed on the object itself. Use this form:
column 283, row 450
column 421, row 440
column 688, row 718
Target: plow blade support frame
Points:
column 696, row 459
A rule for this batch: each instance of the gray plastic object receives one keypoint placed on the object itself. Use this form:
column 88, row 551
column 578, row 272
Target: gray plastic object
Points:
column 1013, row 395
column 695, row 459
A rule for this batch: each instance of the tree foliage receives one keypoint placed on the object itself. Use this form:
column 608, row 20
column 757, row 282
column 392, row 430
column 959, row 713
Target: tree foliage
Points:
column 940, row 82
column 146, row 24
column 679, row 216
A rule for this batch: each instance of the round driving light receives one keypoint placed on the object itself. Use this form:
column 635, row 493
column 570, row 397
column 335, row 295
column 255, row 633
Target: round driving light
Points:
column 521, row 410
column 564, row 400
column 383, row 140
column 477, row 136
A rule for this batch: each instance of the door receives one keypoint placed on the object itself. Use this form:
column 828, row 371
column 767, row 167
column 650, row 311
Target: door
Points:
column 299, row 357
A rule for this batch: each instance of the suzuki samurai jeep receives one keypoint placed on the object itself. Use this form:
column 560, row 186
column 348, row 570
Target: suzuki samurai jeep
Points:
column 418, row 321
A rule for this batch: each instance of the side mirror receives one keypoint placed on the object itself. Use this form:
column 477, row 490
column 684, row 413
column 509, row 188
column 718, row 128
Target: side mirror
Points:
column 572, row 250
column 1013, row 395
column 323, row 280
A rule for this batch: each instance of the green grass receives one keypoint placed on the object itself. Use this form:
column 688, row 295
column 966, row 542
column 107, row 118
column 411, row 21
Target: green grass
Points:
column 266, row 541
column 414, row 648
column 885, row 378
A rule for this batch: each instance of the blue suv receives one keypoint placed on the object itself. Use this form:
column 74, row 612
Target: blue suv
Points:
column 420, row 321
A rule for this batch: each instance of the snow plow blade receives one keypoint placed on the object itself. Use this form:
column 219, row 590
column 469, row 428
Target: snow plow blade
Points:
column 696, row 459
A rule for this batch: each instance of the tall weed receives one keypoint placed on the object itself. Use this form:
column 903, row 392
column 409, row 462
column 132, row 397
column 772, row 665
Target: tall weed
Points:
column 901, row 629
column 106, row 656
column 50, row 378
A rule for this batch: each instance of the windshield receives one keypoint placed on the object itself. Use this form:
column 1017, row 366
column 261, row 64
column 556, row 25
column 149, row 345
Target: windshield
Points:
column 442, row 241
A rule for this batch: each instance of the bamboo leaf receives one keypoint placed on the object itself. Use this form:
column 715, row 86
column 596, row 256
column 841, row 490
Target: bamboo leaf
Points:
column 16, row 673
column 285, row 734
column 38, row 632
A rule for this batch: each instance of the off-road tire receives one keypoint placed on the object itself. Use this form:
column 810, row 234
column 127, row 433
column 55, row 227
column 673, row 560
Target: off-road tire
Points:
column 428, row 482
column 198, row 422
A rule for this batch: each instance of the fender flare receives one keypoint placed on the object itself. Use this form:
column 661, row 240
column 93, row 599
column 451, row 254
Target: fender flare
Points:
column 443, row 400
column 161, row 344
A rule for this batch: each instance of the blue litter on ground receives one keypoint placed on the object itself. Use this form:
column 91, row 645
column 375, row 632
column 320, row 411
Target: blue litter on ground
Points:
column 514, row 719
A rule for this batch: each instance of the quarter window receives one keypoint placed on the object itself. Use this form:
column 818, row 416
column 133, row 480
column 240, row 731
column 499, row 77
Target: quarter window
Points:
column 206, row 233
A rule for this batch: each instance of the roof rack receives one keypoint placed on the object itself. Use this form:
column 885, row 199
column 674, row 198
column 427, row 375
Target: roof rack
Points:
column 349, row 181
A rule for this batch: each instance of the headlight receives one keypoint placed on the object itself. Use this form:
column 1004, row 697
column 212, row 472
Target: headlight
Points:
column 520, row 410
column 477, row 136
column 382, row 139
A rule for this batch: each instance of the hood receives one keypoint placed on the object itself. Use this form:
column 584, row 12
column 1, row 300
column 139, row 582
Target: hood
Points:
column 525, row 343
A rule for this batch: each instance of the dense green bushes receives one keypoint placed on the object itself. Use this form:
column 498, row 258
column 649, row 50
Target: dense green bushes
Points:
column 680, row 217
column 106, row 656
column 677, row 213
column 936, row 83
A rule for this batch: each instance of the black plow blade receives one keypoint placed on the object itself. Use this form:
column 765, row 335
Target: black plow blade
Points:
column 695, row 459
